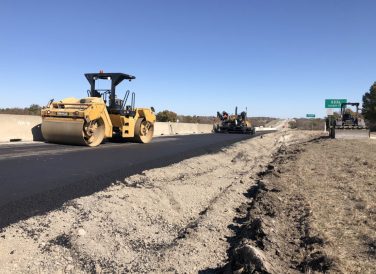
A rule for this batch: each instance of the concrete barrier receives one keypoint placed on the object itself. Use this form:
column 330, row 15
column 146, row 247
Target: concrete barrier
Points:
column 265, row 129
column 205, row 128
column 27, row 128
column 190, row 128
column 167, row 128
column 161, row 129
column 20, row 128
column 373, row 135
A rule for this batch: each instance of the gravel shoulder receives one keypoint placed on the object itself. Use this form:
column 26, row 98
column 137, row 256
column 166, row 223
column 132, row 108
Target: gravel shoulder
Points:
column 173, row 219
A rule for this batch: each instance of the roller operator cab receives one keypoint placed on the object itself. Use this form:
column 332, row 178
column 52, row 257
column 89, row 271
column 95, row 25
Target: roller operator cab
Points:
column 101, row 115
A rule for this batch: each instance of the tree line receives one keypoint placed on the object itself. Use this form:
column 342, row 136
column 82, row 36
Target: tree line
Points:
column 170, row 116
column 33, row 109
column 162, row 116
column 368, row 112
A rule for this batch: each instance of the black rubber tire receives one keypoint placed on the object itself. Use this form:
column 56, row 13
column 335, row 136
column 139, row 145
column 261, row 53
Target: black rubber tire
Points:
column 332, row 133
column 98, row 136
column 141, row 137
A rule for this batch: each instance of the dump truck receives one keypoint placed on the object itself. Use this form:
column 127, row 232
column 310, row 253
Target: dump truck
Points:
column 349, row 125
column 99, row 116
column 236, row 123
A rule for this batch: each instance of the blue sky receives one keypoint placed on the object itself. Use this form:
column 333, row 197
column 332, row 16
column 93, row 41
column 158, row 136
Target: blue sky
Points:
column 278, row 58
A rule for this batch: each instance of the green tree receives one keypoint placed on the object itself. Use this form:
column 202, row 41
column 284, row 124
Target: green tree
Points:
column 369, row 106
column 166, row 116
column 336, row 115
column 189, row 119
column 34, row 109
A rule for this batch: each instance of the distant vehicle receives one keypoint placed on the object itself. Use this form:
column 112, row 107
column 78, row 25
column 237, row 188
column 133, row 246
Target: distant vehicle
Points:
column 233, row 123
column 349, row 125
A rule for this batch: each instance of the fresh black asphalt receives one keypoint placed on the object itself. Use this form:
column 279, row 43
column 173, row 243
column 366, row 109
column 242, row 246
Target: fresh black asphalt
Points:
column 35, row 178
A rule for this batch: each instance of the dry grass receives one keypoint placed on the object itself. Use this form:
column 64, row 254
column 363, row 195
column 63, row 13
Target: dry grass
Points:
column 317, row 206
column 340, row 185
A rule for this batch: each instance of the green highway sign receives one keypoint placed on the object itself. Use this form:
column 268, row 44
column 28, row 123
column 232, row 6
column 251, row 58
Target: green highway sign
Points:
column 334, row 103
column 310, row 115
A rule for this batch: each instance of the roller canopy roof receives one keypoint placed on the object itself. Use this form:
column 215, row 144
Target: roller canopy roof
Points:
column 115, row 77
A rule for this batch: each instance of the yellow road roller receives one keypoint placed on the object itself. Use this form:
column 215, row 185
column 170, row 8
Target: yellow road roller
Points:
column 101, row 115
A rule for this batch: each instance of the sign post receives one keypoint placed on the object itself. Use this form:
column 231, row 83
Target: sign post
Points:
column 311, row 115
column 329, row 111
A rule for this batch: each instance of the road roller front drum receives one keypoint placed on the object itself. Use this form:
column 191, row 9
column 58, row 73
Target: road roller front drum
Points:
column 73, row 132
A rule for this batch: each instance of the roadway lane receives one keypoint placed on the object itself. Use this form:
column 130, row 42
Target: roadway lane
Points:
column 35, row 178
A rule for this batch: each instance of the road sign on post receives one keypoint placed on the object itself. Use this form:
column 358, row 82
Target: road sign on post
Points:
column 334, row 103
column 329, row 111
column 311, row 115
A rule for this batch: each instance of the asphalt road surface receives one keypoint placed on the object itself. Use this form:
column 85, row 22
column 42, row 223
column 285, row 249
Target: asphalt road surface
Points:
column 38, row 177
